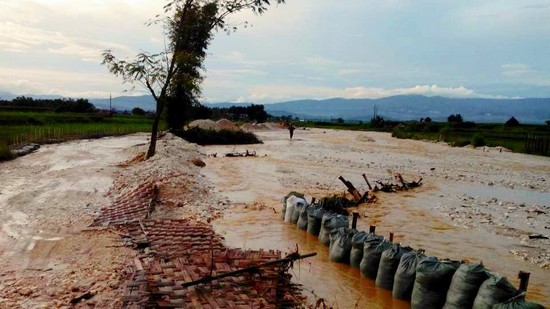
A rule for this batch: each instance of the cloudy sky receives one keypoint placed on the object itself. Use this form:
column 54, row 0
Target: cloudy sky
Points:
column 304, row 49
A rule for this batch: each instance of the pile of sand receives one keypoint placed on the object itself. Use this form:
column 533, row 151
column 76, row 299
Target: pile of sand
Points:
column 207, row 124
column 266, row 126
column 225, row 124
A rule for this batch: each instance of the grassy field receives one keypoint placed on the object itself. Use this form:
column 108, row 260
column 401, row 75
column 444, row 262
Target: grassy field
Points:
column 19, row 128
column 533, row 139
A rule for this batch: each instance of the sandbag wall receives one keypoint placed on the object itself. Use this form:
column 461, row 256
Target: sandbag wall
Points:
column 425, row 281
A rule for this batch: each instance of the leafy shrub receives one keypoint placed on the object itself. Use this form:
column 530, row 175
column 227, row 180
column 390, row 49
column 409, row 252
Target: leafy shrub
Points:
column 478, row 140
column 5, row 153
column 459, row 143
column 212, row 137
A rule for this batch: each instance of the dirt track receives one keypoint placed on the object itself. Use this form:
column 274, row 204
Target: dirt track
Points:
column 466, row 209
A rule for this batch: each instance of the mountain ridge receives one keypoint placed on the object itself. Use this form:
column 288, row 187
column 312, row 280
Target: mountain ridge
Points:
column 399, row 107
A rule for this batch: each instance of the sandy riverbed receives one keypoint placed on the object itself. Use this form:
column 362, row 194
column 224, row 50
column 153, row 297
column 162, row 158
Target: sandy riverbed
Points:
column 473, row 205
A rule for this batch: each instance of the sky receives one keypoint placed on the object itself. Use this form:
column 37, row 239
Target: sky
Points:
column 304, row 49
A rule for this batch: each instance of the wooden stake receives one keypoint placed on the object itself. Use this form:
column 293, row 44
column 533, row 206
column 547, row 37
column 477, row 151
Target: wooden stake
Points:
column 523, row 280
column 368, row 183
column 351, row 189
column 372, row 229
column 391, row 236
column 355, row 215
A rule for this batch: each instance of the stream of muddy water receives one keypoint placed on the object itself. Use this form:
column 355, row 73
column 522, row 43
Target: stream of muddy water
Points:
column 312, row 164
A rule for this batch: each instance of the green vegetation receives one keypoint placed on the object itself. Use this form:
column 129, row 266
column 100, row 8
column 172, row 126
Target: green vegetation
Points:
column 519, row 138
column 18, row 128
column 222, row 137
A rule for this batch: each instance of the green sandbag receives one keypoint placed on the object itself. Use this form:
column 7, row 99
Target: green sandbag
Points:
column 296, row 214
column 464, row 286
column 357, row 245
column 433, row 278
column 314, row 218
column 372, row 252
column 494, row 290
column 518, row 304
column 302, row 219
column 389, row 262
column 340, row 244
column 403, row 281
column 329, row 222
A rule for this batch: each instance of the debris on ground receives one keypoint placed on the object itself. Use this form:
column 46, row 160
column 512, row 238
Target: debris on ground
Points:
column 246, row 153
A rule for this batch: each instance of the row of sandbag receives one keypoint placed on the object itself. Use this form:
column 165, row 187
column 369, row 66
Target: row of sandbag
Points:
column 426, row 281
column 25, row 150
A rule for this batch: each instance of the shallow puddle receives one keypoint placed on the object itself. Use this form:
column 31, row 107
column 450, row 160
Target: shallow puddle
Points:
column 506, row 194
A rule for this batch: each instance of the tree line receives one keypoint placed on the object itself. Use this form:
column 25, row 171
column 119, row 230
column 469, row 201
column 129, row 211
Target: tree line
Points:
column 62, row 105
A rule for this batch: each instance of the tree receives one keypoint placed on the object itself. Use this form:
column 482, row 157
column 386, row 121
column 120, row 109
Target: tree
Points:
column 189, row 25
column 457, row 118
column 137, row 111
column 512, row 122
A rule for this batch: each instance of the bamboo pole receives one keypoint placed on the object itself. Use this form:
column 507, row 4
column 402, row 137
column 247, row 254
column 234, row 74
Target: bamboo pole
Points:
column 290, row 258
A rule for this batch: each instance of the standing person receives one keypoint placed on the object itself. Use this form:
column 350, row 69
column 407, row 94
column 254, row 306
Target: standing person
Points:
column 291, row 129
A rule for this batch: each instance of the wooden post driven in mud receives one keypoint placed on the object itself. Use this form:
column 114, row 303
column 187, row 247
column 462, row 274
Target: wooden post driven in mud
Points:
column 367, row 180
column 391, row 236
column 355, row 215
column 523, row 280
column 372, row 229
column 351, row 189
column 289, row 258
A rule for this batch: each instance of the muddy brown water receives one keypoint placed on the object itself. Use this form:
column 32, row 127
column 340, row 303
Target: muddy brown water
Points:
column 343, row 286
column 339, row 284
column 312, row 164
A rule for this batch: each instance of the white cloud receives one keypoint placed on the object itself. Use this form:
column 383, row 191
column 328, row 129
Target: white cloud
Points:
column 64, row 83
column 516, row 69
column 345, row 72
column 318, row 60
column 427, row 90
column 277, row 93
column 525, row 74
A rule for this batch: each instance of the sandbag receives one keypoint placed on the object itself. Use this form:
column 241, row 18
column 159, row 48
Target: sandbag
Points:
column 291, row 203
column 389, row 261
column 464, row 286
column 302, row 217
column 403, row 281
column 314, row 218
column 296, row 214
column 340, row 244
column 492, row 291
column 283, row 208
column 372, row 252
column 517, row 304
column 433, row 278
column 357, row 245
column 329, row 222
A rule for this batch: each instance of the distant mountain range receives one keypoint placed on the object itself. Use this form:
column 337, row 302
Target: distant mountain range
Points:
column 404, row 107
column 411, row 107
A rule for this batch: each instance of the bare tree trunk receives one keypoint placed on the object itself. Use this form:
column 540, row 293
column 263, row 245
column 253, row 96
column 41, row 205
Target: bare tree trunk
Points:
column 154, row 131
